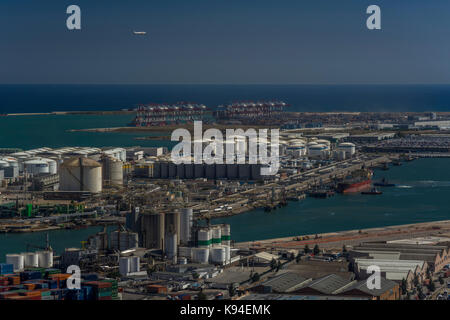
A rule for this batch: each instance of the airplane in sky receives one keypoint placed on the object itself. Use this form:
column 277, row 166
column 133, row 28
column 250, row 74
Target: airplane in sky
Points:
column 139, row 33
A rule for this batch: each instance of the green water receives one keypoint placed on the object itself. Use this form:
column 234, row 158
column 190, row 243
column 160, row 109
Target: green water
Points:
column 422, row 194
column 59, row 240
column 27, row 132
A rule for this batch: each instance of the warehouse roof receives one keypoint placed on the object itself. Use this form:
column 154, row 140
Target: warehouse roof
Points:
column 330, row 284
column 385, row 285
column 285, row 282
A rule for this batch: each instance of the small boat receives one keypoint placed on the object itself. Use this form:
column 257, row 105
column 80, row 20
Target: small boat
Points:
column 384, row 183
column 372, row 192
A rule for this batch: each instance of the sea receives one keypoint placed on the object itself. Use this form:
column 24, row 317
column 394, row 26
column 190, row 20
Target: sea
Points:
column 422, row 185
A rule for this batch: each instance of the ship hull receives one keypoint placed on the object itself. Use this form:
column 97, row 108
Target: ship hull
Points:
column 353, row 187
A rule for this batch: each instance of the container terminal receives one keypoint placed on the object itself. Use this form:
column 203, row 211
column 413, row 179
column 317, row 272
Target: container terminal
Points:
column 165, row 245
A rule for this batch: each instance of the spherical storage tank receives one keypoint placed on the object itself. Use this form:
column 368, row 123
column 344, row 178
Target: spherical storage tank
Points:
column 81, row 174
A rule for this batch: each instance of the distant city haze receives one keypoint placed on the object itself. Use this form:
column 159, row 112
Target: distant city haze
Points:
column 224, row 42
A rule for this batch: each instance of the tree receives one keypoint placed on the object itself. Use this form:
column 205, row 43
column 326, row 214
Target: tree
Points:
column 273, row 264
column 441, row 280
column 316, row 250
column 231, row 290
column 255, row 277
column 278, row 265
column 201, row 295
column 416, row 281
column 195, row 275
column 113, row 274
column 431, row 286
column 307, row 250
column 344, row 249
column 403, row 286
column 298, row 257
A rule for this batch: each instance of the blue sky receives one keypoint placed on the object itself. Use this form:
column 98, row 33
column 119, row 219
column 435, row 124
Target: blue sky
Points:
column 234, row 41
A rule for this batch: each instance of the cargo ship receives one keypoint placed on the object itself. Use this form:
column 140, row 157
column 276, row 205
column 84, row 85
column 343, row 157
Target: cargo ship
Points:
column 360, row 180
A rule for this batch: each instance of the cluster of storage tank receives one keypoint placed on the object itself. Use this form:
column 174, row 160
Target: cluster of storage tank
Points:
column 315, row 148
column 170, row 170
column 129, row 265
column 41, row 259
column 213, row 245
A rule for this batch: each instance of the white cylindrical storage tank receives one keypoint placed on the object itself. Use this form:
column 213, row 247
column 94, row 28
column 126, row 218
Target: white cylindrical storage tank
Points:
column 226, row 234
column 36, row 166
column 227, row 254
column 45, row 259
column 200, row 255
column 348, row 147
column 216, row 235
column 52, row 165
column 317, row 151
column 81, row 174
column 112, row 171
column 204, row 238
column 218, row 255
column 4, row 164
column 124, row 265
column 31, row 259
column 186, row 218
column 323, row 141
column 135, row 264
column 185, row 252
column 17, row 260
column 171, row 245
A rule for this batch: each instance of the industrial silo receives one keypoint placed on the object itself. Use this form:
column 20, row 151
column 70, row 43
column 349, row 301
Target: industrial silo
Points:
column 81, row 174
column 186, row 220
column 210, row 171
column 218, row 255
column 171, row 245
column 199, row 170
column 232, row 171
column 156, row 170
column 221, row 171
column 172, row 223
column 164, row 170
column 172, row 170
column 204, row 238
column 112, row 171
column 45, row 259
column 200, row 255
column 226, row 234
column 216, row 235
column 244, row 171
column 17, row 260
column 180, row 171
column 189, row 170
column 256, row 171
